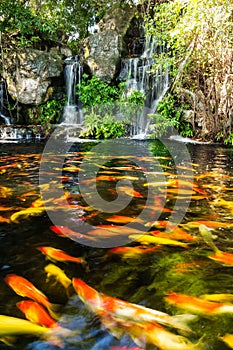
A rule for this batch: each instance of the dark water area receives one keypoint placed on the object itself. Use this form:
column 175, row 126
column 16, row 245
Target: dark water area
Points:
column 163, row 189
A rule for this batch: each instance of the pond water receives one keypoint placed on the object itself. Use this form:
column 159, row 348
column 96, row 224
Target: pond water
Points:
column 164, row 190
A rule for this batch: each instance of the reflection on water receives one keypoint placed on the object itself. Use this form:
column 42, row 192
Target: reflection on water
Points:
column 144, row 273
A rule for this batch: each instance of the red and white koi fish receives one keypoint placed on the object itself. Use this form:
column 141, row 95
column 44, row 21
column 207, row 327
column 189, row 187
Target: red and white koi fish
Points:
column 102, row 304
column 139, row 322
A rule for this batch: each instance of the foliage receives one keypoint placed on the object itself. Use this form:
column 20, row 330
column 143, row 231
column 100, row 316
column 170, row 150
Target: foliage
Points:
column 102, row 127
column 20, row 26
column 107, row 104
column 169, row 115
column 95, row 91
column 135, row 97
column 48, row 114
column 198, row 36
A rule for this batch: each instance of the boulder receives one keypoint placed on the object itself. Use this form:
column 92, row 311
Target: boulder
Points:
column 102, row 51
column 30, row 75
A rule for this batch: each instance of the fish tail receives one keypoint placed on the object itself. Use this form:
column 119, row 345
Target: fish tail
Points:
column 206, row 235
column 70, row 291
column 180, row 322
column 54, row 311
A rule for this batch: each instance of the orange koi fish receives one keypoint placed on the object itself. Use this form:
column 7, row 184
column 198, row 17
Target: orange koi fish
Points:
column 198, row 305
column 175, row 233
column 103, row 305
column 132, row 252
column 66, row 232
column 120, row 219
column 36, row 313
column 130, row 191
column 24, row 288
column 2, row 219
column 219, row 256
column 58, row 255
column 188, row 266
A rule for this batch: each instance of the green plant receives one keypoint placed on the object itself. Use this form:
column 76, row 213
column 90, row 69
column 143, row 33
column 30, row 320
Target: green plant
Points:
column 95, row 91
column 169, row 114
column 50, row 111
column 98, row 127
column 135, row 98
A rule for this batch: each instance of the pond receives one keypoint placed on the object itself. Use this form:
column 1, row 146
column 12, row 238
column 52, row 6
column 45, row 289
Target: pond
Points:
column 149, row 221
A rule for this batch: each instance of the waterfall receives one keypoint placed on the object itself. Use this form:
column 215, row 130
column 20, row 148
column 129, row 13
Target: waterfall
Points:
column 2, row 102
column 72, row 113
column 139, row 74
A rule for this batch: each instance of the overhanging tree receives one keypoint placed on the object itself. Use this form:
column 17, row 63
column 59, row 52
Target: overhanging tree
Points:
column 200, row 53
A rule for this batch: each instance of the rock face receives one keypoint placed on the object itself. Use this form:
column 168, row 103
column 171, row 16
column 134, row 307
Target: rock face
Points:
column 30, row 75
column 102, row 51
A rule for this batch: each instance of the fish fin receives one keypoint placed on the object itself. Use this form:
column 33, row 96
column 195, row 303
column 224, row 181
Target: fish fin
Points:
column 70, row 291
column 54, row 311
column 180, row 322
column 8, row 340
column 55, row 336
column 206, row 235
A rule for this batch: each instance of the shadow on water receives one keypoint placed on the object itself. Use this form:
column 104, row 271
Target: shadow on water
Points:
column 143, row 279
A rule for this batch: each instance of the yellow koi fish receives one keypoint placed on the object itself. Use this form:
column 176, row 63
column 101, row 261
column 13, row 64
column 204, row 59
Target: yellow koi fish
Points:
column 218, row 297
column 59, row 274
column 16, row 326
column 25, row 213
column 227, row 339
column 148, row 239
column 223, row 258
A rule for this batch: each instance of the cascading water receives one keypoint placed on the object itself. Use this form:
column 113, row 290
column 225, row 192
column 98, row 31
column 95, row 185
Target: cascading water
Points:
column 72, row 113
column 2, row 103
column 139, row 74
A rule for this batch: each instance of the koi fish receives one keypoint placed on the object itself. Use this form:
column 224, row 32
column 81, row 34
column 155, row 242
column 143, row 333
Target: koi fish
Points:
column 124, row 348
column 120, row 219
column 210, row 224
column 25, row 213
column 175, row 233
column 5, row 192
column 218, row 297
column 153, row 333
column 36, row 313
column 148, row 239
column 60, row 276
column 220, row 202
column 188, row 266
column 59, row 255
column 103, row 305
column 222, row 257
column 66, row 232
column 198, row 305
column 132, row 252
column 130, row 191
column 228, row 340
column 16, row 326
column 24, row 288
